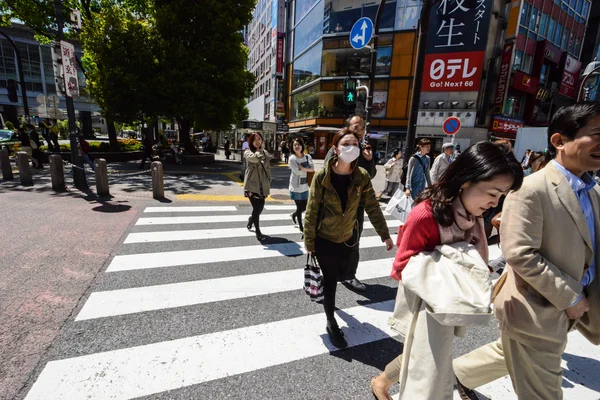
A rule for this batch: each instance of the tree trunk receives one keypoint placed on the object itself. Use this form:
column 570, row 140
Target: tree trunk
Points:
column 112, row 134
column 184, row 136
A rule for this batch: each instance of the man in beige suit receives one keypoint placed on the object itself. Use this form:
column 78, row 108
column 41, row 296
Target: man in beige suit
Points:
column 550, row 237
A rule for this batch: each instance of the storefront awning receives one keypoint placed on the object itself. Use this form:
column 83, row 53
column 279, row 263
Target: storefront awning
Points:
column 327, row 128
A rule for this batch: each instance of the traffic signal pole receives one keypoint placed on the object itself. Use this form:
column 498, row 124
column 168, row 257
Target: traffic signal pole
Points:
column 21, row 76
column 78, row 173
column 372, row 70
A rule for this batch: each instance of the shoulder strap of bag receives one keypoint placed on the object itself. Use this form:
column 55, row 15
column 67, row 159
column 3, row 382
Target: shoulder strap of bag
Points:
column 421, row 162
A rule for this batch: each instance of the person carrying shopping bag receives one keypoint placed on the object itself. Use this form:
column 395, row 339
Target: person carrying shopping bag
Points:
column 393, row 173
column 448, row 213
column 257, row 181
column 300, row 164
column 331, row 228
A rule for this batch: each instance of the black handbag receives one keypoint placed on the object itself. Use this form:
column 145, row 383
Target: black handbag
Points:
column 313, row 280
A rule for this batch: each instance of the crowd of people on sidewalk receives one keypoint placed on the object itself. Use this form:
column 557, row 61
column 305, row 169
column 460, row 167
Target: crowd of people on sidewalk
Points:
column 548, row 235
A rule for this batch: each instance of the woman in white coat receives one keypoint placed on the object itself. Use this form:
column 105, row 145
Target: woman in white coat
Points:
column 393, row 173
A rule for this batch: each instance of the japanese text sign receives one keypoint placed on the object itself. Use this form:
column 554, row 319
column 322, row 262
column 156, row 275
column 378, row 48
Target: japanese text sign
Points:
column 570, row 77
column 279, row 62
column 69, row 64
column 502, row 88
column 457, row 39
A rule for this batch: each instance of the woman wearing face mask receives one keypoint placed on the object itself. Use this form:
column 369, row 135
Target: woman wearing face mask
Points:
column 330, row 227
column 300, row 164
column 257, row 181
column 447, row 213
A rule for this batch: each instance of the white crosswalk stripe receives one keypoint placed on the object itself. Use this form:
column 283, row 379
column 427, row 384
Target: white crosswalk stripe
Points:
column 180, row 312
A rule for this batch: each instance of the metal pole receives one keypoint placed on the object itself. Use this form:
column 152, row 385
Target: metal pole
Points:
column 78, row 174
column 373, row 68
column 585, row 78
column 418, row 78
column 21, row 76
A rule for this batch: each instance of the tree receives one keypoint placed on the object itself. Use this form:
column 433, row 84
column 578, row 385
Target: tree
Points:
column 203, row 62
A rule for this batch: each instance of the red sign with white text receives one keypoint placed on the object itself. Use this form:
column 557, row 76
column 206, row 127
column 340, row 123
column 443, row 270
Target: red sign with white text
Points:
column 570, row 77
column 279, row 64
column 453, row 72
column 503, row 79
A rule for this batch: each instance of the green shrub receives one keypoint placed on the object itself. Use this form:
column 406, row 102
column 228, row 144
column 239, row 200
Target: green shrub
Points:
column 9, row 125
column 104, row 147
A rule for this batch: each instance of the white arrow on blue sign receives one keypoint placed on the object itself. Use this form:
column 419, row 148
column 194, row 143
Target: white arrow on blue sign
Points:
column 361, row 33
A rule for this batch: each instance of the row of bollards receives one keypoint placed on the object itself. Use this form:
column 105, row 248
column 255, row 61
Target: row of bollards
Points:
column 57, row 173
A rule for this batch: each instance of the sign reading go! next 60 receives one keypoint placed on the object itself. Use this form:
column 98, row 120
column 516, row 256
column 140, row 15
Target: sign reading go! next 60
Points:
column 456, row 43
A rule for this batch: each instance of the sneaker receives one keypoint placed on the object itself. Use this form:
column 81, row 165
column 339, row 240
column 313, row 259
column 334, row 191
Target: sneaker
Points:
column 357, row 285
column 336, row 336
column 464, row 392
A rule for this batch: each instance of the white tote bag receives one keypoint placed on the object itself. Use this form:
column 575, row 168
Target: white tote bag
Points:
column 399, row 205
column 454, row 282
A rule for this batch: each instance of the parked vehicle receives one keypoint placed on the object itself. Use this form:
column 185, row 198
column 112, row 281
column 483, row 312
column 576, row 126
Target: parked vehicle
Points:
column 8, row 139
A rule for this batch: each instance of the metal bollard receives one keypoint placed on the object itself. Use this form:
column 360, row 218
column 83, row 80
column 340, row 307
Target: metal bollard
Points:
column 7, row 174
column 158, row 185
column 101, row 171
column 57, row 173
column 24, row 170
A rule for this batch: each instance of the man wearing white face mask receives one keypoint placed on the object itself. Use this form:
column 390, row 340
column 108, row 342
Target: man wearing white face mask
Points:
column 365, row 160
column 330, row 224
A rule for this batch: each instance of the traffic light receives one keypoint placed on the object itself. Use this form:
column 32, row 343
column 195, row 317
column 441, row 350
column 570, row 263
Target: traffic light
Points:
column 350, row 91
column 11, row 86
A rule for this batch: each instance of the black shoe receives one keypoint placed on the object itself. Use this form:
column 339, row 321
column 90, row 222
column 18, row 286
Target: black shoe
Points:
column 293, row 215
column 259, row 236
column 357, row 285
column 464, row 392
column 249, row 226
column 336, row 336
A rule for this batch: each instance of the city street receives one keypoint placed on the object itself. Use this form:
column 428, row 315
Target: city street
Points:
column 190, row 306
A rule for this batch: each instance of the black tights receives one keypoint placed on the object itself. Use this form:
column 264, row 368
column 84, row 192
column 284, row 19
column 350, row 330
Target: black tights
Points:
column 336, row 261
column 257, row 208
column 300, row 208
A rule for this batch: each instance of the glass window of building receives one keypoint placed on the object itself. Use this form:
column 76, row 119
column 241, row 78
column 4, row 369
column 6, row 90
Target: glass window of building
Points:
column 303, row 7
column 565, row 38
column 305, row 104
column 525, row 10
column 407, row 14
column 533, row 19
column 309, row 30
column 577, row 47
column 341, row 62
column 48, row 70
column 518, row 60
column 8, row 69
column 544, row 74
column 514, row 106
column 30, row 54
column 340, row 15
column 579, row 6
column 543, row 24
column 307, row 68
column 527, row 63
column 586, row 9
column 558, row 35
column 551, row 29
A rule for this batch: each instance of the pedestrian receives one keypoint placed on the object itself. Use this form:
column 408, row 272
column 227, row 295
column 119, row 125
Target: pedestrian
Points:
column 417, row 173
column 441, row 162
column 525, row 159
column 227, row 146
column 286, row 152
column 25, row 142
column 257, row 181
column 330, row 226
column 366, row 161
column 46, row 126
column 393, row 173
column 245, row 146
column 85, row 150
column 208, row 143
column 36, row 145
column 54, row 133
column 537, row 160
column 300, row 164
column 447, row 213
column 147, row 154
column 551, row 242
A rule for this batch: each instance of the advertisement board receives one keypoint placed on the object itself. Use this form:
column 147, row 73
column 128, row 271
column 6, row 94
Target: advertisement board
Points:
column 456, row 46
column 279, row 62
column 69, row 64
column 506, row 125
column 570, row 77
column 502, row 87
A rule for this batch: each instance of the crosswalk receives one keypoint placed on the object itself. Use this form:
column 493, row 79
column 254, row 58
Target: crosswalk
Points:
column 192, row 306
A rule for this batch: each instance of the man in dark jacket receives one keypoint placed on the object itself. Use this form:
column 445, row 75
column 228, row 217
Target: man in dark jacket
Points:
column 366, row 160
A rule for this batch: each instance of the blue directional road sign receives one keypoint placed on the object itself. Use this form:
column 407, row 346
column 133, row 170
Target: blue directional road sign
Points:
column 361, row 33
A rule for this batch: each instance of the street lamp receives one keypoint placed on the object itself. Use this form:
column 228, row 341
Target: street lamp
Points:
column 592, row 70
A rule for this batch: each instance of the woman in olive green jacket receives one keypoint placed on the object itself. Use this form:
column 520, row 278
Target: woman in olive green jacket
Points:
column 330, row 227
column 257, row 180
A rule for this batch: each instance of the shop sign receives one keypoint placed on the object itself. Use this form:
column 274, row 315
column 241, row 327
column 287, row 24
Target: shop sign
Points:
column 525, row 82
column 552, row 52
column 456, row 46
column 501, row 90
column 279, row 95
column 281, row 127
column 543, row 94
column 255, row 125
column 570, row 77
column 279, row 64
column 506, row 125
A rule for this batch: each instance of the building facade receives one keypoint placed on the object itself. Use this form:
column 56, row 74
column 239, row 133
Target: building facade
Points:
column 38, row 71
column 541, row 63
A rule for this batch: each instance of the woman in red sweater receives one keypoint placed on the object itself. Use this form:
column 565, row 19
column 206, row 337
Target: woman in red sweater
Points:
column 448, row 212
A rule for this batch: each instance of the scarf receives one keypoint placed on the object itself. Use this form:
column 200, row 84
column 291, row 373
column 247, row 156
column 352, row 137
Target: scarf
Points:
column 466, row 228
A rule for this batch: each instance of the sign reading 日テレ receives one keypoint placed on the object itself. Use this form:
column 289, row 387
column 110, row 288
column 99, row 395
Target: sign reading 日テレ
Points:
column 457, row 38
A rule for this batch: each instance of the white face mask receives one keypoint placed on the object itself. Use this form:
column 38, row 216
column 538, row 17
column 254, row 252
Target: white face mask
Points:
column 349, row 153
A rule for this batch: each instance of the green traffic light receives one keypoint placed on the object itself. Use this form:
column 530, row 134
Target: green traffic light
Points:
column 350, row 96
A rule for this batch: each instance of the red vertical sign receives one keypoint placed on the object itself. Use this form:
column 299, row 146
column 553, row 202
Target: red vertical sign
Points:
column 279, row 64
column 570, row 77
column 503, row 79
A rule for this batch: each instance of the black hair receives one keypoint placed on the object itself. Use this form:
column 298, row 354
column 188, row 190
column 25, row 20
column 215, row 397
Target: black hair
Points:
column 395, row 152
column 570, row 119
column 251, row 140
column 300, row 141
column 481, row 162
